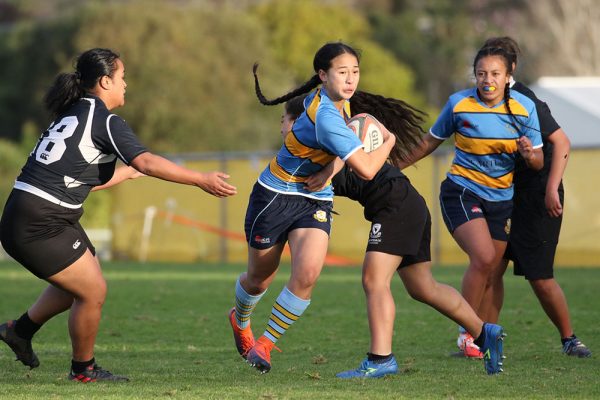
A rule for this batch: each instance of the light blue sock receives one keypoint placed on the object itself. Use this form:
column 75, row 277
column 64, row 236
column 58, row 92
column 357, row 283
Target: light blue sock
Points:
column 244, row 304
column 287, row 309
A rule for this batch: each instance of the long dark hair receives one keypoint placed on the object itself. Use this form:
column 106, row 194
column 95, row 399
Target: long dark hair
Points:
column 400, row 118
column 508, row 62
column 322, row 61
column 69, row 87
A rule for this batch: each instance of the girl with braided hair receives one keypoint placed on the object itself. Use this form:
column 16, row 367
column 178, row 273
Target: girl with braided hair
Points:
column 399, row 241
column 282, row 209
column 491, row 124
column 536, row 220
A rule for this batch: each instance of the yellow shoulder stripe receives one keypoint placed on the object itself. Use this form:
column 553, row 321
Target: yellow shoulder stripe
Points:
column 471, row 105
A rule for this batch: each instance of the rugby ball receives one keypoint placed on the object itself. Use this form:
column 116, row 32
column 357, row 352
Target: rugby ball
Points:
column 368, row 130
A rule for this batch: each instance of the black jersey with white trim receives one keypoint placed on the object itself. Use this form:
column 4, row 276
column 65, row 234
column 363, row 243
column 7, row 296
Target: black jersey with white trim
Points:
column 77, row 152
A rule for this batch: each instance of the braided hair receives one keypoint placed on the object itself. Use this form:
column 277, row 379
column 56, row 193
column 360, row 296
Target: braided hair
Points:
column 322, row 61
column 401, row 119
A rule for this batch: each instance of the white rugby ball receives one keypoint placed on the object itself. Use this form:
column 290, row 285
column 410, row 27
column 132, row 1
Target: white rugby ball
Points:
column 368, row 130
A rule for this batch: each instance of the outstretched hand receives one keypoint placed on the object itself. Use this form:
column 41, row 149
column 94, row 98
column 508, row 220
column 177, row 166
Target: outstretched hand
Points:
column 214, row 183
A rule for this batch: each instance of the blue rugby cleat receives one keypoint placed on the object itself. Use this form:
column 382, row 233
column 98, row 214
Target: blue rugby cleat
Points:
column 370, row 369
column 492, row 348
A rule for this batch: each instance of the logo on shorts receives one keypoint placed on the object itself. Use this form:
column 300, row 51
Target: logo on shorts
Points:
column 76, row 244
column 320, row 216
column 262, row 240
column 375, row 235
column 476, row 210
column 507, row 226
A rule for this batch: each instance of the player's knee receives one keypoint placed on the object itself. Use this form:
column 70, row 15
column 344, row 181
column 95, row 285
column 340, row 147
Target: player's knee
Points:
column 374, row 284
column 485, row 263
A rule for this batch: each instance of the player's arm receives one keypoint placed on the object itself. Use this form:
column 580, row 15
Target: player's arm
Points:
column 560, row 156
column 426, row 147
column 121, row 174
column 159, row 167
column 366, row 165
column 321, row 179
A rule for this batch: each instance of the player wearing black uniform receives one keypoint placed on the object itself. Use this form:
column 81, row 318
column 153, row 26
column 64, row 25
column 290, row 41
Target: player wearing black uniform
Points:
column 536, row 219
column 399, row 241
column 40, row 223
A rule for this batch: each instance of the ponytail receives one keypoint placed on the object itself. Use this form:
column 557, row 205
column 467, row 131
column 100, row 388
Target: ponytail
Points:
column 67, row 88
column 65, row 91
column 305, row 88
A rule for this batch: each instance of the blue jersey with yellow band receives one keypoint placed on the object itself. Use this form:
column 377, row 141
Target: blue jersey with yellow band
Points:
column 485, row 140
column 318, row 136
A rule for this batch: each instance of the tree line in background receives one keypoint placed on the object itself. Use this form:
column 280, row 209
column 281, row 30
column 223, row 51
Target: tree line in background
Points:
column 188, row 62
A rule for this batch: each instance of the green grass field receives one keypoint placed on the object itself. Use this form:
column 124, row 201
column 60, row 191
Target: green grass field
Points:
column 165, row 327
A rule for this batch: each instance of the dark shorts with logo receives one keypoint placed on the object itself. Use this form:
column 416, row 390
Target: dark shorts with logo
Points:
column 534, row 236
column 402, row 225
column 271, row 216
column 44, row 237
column 460, row 205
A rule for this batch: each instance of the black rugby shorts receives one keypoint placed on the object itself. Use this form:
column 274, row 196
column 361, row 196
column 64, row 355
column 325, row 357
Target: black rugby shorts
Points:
column 534, row 236
column 42, row 236
column 403, row 226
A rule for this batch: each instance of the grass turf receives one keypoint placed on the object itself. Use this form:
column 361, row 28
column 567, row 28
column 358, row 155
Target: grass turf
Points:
column 165, row 327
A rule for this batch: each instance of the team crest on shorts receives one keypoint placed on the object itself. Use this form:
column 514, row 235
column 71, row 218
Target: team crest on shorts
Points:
column 375, row 234
column 320, row 216
column 507, row 226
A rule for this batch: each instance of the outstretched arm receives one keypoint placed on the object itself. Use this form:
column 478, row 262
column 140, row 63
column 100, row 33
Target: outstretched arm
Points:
column 428, row 145
column 159, row 167
column 121, row 174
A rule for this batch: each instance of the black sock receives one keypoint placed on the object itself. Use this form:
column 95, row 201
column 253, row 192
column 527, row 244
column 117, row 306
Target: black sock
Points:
column 80, row 366
column 481, row 338
column 566, row 339
column 378, row 359
column 25, row 328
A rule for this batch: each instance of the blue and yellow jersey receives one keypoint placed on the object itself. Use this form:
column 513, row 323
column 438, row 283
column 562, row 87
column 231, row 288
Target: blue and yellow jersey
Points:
column 317, row 137
column 485, row 141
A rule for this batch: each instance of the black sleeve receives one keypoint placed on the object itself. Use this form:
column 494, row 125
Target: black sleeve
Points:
column 548, row 124
column 121, row 140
